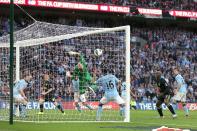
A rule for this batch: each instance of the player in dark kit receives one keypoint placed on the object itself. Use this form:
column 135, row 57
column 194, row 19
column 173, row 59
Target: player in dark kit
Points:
column 164, row 94
column 48, row 94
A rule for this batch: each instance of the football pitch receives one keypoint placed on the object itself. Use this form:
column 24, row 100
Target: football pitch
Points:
column 140, row 121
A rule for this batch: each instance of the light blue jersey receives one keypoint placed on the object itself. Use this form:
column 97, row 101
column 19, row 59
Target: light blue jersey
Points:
column 109, row 85
column 180, row 80
column 123, row 89
column 20, row 85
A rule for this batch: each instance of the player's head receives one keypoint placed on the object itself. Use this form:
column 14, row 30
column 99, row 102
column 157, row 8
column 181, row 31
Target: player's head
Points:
column 80, row 66
column 175, row 71
column 46, row 77
column 28, row 77
column 158, row 75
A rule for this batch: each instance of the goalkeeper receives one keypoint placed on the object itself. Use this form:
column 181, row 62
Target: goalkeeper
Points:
column 81, row 80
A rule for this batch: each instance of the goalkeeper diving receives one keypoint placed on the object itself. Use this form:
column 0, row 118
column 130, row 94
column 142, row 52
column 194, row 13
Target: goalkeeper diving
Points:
column 82, row 81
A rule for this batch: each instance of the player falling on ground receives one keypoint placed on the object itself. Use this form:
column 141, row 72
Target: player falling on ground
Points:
column 48, row 94
column 20, row 99
column 81, row 81
column 180, row 94
column 110, row 84
column 164, row 94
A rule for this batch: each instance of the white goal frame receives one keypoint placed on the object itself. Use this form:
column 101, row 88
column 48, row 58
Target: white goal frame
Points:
column 39, row 41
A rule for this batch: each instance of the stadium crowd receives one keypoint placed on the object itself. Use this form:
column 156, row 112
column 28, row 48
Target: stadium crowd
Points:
column 165, row 48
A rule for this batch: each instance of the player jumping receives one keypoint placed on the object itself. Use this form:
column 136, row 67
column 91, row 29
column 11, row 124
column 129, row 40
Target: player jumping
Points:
column 180, row 94
column 20, row 98
column 81, row 80
column 48, row 94
column 109, row 84
column 164, row 95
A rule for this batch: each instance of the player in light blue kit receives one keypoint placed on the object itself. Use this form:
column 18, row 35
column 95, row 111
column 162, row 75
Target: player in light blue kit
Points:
column 19, row 96
column 109, row 84
column 123, row 96
column 180, row 94
column 123, row 91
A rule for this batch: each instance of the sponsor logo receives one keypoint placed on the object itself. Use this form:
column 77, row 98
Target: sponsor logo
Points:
column 188, row 14
column 150, row 11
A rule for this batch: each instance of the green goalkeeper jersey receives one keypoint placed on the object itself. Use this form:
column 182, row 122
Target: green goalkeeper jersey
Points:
column 83, row 75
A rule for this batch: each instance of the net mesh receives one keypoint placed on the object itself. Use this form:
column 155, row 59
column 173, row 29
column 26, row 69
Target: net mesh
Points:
column 42, row 30
column 54, row 59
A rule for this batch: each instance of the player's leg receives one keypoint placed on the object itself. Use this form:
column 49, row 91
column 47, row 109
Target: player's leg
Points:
column 100, row 108
column 22, row 103
column 185, row 108
column 84, row 101
column 184, row 104
column 158, row 106
column 121, row 103
column 41, row 103
column 16, row 109
column 76, row 99
column 167, row 103
column 57, row 102
column 181, row 97
column 175, row 101
column 22, row 109
column 75, row 84
column 16, row 106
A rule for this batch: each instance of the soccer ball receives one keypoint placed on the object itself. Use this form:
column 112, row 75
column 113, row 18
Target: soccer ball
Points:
column 98, row 52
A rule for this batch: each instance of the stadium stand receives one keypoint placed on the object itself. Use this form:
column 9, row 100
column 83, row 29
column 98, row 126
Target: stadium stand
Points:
column 166, row 47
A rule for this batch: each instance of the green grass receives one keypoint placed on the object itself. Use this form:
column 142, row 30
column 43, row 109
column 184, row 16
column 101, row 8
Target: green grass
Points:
column 140, row 121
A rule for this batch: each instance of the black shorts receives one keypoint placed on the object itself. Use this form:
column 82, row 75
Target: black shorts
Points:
column 48, row 97
column 165, row 97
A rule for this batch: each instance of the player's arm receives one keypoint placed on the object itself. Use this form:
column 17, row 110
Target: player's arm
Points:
column 21, row 91
column 119, row 85
column 132, row 94
column 82, row 61
column 44, row 93
column 178, row 84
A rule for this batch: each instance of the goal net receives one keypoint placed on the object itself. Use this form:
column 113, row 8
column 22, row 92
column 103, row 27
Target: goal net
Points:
column 51, row 53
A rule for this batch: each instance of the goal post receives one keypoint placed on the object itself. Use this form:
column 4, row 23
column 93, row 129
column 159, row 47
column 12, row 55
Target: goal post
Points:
column 42, row 48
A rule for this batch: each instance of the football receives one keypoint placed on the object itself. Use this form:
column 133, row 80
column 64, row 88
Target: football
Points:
column 98, row 52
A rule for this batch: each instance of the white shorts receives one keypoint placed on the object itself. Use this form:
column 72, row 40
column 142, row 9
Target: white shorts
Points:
column 19, row 98
column 79, row 98
column 116, row 99
column 179, row 97
column 124, row 97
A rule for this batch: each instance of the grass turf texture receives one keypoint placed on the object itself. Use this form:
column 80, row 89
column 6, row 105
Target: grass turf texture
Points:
column 140, row 121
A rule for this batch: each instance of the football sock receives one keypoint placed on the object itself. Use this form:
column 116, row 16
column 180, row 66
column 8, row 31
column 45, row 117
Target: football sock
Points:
column 98, row 114
column 88, row 106
column 78, row 107
column 171, row 109
column 41, row 107
column 15, row 108
column 160, row 111
column 122, row 111
column 186, row 110
column 60, row 108
column 22, row 110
